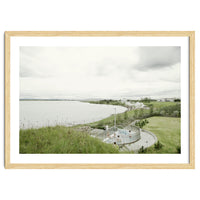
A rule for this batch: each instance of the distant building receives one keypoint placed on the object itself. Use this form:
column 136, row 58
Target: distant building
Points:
column 166, row 99
column 132, row 106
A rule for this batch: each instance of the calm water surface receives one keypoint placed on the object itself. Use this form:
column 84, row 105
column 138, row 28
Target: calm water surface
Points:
column 35, row 114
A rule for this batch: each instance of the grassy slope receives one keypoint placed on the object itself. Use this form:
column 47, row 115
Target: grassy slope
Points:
column 167, row 130
column 60, row 139
column 158, row 104
column 132, row 114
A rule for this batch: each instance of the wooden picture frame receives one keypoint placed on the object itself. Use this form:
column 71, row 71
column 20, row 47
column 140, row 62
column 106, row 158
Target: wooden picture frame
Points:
column 8, row 41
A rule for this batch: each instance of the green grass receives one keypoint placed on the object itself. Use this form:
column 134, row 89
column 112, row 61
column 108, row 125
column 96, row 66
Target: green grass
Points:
column 158, row 104
column 167, row 130
column 132, row 115
column 61, row 140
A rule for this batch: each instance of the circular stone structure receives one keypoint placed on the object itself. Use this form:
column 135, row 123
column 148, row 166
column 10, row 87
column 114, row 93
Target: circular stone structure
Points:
column 120, row 136
column 147, row 139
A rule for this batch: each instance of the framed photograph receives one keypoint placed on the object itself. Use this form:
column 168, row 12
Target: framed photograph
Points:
column 99, row 99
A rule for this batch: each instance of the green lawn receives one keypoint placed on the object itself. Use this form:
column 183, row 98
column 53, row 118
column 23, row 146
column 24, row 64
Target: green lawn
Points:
column 158, row 104
column 132, row 115
column 168, row 132
column 61, row 140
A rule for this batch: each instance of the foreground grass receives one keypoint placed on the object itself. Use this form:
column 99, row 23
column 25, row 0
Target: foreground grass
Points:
column 61, row 140
column 167, row 130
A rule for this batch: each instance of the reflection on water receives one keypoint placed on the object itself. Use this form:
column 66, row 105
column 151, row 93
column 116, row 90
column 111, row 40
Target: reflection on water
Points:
column 35, row 114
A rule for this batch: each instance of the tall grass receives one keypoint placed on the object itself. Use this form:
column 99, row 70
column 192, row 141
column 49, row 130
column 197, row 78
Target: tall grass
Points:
column 61, row 140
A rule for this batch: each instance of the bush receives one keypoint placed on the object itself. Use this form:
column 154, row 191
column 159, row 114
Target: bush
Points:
column 142, row 150
column 178, row 148
column 162, row 112
column 151, row 109
column 142, row 123
column 136, row 113
column 158, row 145
column 100, row 127
column 119, row 119
column 177, row 100
column 176, row 113
column 126, row 115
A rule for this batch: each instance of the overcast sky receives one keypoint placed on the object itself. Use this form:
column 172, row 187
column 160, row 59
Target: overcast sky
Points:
column 99, row 72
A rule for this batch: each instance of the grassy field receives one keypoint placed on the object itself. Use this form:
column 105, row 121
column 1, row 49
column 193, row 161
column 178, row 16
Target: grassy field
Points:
column 158, row 104
column 131, row 115
column 59, row 139
column 167, row 130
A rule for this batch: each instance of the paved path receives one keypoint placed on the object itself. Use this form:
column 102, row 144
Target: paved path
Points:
column 147, row 140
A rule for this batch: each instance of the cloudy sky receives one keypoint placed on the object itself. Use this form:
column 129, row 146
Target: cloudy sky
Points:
column 99, row 72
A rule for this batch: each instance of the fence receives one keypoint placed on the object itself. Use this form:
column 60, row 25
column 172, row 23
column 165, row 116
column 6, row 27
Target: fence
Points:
column 119, row 135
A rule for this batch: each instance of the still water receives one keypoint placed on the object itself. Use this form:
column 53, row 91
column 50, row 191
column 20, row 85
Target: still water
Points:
column 35, row 114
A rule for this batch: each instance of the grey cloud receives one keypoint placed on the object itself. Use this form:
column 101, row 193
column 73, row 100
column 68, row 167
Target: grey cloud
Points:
column 174, row 92
column 27, row 62
column 30, row 62
column 144, row 71
column 157, row 57
column 151, row 93
column 26, row 71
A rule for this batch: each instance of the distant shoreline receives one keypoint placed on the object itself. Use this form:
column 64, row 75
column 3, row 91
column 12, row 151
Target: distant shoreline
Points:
column 48, row 100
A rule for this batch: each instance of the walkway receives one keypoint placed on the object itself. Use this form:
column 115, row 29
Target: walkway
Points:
column 147, row 140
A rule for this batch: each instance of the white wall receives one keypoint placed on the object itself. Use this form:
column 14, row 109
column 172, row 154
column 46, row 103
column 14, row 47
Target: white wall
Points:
column 99, row 15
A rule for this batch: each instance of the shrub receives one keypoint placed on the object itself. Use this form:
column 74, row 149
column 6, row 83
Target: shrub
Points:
column 141, row 112
column 177, row 100
column 158, row 145
column 126, row 115
column 142, row 150
column 162, row 112
column 178, row 148
column 151, row 109
column 142, row 123
column 136, row 113
column 176, row 113
column 119, row 119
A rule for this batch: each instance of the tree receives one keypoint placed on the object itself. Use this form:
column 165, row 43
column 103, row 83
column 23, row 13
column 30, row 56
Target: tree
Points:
column 119, row 119
column 141, row 112
column 126, row 115
column 142, row 123
column 136, row 113
column 151, row 109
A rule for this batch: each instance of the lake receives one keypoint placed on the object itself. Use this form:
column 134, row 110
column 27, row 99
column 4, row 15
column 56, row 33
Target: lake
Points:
column 35, row 114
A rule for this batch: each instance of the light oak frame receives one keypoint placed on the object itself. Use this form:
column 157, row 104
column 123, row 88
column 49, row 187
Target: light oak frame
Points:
column 189, row 34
